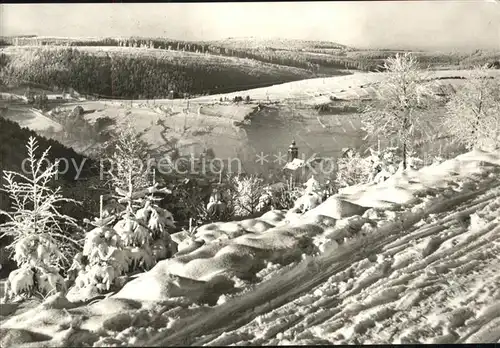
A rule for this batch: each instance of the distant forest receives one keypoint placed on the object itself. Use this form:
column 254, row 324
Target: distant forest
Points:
column 136, row 76
column 301, row 54
column 214, row 67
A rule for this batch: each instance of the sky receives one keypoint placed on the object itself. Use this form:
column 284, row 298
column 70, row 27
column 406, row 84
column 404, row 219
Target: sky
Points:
column 434, row 25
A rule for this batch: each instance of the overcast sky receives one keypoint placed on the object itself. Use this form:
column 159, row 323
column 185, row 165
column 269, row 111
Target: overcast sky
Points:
column 406, row 24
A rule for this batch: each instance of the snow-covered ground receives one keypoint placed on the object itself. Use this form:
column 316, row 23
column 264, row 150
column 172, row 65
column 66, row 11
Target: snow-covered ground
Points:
column 314, row 91
column 318, row 91
column 411, row 260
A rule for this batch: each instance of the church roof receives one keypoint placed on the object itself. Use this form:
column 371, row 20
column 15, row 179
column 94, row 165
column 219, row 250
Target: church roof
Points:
column 299, row 163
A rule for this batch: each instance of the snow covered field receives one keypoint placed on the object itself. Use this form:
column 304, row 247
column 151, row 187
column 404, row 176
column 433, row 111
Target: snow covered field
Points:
column 319, row 90
column 411, row 260
column 201, row 123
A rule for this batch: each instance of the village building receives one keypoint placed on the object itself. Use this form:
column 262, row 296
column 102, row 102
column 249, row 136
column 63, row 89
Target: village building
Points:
column 299, row 171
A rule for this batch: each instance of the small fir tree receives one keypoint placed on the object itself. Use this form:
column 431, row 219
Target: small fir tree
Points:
column 102, row 260
column 142, row 224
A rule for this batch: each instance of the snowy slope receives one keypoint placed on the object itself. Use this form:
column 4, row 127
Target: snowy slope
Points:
column 318, row 91
column 421, row 267
column 32, row 119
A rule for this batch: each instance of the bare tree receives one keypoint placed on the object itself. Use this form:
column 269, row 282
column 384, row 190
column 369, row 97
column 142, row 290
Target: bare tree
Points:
column 401, row 96
column 473, row 113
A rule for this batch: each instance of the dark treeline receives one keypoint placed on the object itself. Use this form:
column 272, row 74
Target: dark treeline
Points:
column 136, row 76
column 155, row 74
column 432, row 60
column 13, row 139
column 4, row 42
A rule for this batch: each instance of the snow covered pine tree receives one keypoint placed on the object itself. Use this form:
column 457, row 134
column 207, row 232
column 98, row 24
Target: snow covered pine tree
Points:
column 41, row 245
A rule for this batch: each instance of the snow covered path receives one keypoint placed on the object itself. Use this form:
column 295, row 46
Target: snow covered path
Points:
column 380, row 289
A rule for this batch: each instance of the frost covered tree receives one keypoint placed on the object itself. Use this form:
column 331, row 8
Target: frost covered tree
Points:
column 102, row 261
column 144, row 230
column 142, row 225
column 401, row 96
column 41, row 245
column 246, row 195
column 130, row 160
column 473, row 113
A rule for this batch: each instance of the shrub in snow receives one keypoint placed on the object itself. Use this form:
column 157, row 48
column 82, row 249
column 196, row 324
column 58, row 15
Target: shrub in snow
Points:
column 20, row 281
column 136, row 241
column 387, row 161
column 312, row 196
column 189, row 200
column 216, row 205
column 158, row 220
column 282, row 196
column 352, row 170
column 382, row 164
column 41, row 247
column 312, row 186
column 377, row 167
column 307, row 202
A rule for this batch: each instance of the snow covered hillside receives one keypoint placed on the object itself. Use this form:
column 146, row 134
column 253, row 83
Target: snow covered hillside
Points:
column 411, row 260
column 32, row 119
column 318, row 91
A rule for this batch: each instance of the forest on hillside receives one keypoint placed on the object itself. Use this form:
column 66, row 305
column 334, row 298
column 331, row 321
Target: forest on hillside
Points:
column 310, row 55
column 136, row 76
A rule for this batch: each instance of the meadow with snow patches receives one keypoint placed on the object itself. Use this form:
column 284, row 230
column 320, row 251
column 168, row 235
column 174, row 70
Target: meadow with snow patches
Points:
column 353, row 207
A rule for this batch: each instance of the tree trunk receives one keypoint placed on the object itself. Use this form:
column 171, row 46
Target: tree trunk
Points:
column 406, row 125
column 404, row 155
column 478, row 117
